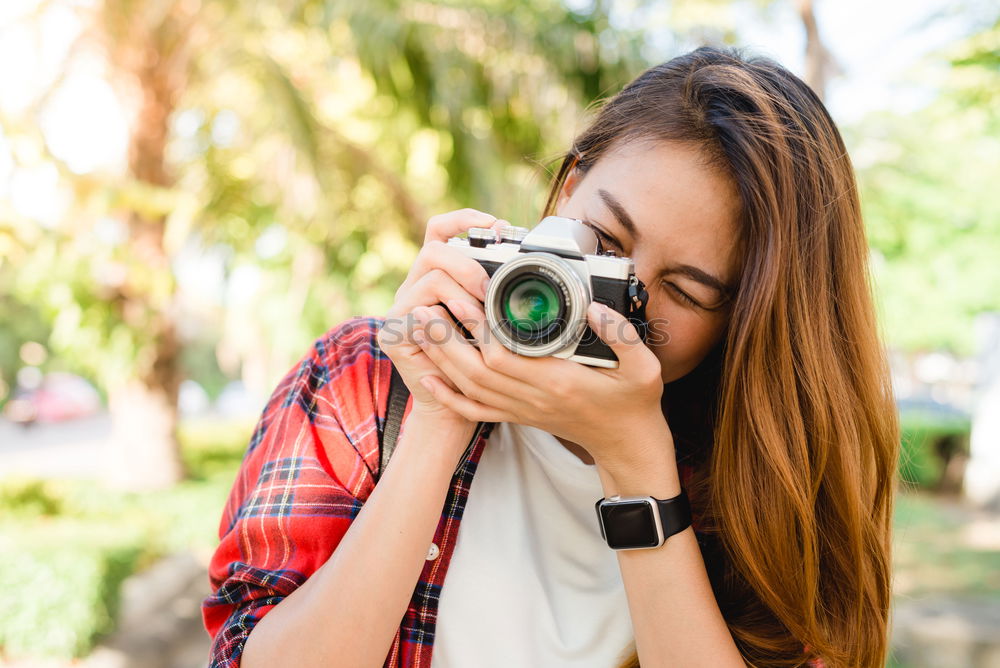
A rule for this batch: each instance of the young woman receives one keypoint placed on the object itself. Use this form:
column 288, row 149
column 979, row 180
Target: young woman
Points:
column 765, row 398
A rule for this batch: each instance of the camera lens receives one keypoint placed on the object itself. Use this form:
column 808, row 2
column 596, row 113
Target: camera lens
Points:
column 531, row 305
column 536, row 304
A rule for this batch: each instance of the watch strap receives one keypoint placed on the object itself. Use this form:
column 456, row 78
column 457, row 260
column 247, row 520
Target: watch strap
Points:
column 675, row 514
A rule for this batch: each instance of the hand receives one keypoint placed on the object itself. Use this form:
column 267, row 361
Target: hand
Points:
column 439, row 274
column 614, row 414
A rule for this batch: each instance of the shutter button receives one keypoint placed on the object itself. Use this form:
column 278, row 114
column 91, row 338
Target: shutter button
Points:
column 433, row 553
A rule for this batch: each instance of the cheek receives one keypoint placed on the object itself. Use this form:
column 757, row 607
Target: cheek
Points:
column 680, row 338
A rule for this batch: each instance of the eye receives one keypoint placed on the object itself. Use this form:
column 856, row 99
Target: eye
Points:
column 603, row 237
column 683, row 296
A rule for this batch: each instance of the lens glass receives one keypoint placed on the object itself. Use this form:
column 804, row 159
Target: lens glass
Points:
column 531, row 305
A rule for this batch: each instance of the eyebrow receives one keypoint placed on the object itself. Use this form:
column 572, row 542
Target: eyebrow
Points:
column 694, row 273
column 620, row 213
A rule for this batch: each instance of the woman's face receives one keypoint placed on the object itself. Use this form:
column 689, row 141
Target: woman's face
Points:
column 675, row 216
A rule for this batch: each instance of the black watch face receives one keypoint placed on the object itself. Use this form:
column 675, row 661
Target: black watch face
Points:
column 629, row 524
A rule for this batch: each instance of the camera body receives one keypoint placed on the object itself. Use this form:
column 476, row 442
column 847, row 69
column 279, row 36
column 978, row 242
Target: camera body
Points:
column 541, row 282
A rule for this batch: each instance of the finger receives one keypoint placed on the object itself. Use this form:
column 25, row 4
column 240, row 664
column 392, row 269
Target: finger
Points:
column 398, row 337
column 446, row 225
column 464, row 364
column 466, row 271
column 420, row 361
column 500, row 358
column 472, row 317
column 434, row 287
column 495, row 355
column 470, row 409
column 619, row 334
column 396, row 331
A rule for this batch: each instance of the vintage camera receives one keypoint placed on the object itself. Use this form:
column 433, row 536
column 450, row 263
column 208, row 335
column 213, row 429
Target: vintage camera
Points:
column 542, row 281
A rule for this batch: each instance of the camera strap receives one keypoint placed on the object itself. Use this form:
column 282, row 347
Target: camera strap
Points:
column 395, row 406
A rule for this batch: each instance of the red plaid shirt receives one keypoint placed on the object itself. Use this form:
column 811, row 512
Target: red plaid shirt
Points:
column 310, row 465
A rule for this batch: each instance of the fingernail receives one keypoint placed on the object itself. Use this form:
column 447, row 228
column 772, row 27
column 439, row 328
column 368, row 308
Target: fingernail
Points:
column 426, row 383
column 457, row 309
column 420, row 313
column 485, row 286
column 418, row 337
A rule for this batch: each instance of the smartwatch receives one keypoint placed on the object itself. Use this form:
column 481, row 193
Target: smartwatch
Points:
column 641, row 522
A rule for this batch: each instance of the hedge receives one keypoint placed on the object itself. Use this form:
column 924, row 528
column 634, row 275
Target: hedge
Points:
column 60, row 584
column 919, row 464
column 66, row 546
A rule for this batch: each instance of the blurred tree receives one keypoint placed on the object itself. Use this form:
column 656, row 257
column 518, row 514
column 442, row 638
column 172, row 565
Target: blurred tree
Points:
column 150, row 46
column 928, row 182
column 300, row 146
column 717, row 22
column 820, row 64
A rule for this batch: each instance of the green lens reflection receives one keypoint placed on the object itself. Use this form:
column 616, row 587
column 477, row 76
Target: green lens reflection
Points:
column 532, row 305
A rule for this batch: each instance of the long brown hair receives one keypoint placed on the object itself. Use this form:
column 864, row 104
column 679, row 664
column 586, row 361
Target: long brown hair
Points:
column 790, row 421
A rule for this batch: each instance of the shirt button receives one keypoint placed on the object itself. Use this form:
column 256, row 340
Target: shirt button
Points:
column 433, row 553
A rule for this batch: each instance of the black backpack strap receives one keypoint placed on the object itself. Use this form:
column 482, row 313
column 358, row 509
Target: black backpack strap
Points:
column 395, row 406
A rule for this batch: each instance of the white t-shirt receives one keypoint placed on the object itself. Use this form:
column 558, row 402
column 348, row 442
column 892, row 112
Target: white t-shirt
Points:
column 531, row 582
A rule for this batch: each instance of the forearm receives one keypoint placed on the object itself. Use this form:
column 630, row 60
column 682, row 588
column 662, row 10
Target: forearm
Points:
column 348, row 612
column 675, row 617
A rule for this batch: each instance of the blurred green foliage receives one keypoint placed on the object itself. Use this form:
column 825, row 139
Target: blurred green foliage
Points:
column 60, row 584
column 309, row 143
column 29, row 498
column 919, row 462
column 21, row 322
column 68, row 545
column 928, row 183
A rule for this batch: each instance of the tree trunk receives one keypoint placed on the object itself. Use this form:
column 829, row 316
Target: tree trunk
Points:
column 820, row 65
column 151, row 56
column 143, row 450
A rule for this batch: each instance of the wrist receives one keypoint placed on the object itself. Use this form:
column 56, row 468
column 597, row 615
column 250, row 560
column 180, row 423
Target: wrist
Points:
column 644, row 465
column 440, row 432
column 436, row 415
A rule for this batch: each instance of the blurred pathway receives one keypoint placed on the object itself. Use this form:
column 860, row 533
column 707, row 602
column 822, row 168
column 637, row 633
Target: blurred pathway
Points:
column 947, row 632
column 160, row 623
column 63, row 449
